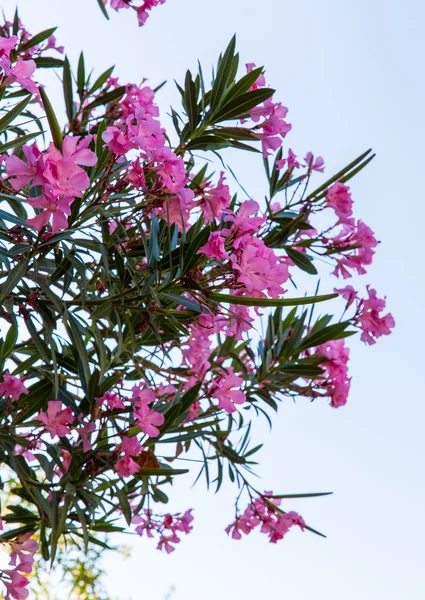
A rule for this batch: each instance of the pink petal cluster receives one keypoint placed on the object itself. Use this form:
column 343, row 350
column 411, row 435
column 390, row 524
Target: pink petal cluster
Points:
column 60, row 176
column 263, row 513
column 371, row 322
column 214, row 248
column 336, row 381
column 368, row 316
column 166, row 527
column 214, row 200
column 12, row 387
column 126, row 466
column 258, row 268
column 227, row 390
column 112, row 400
column 147, row 418
column 21, row 559
column 356, row 244
column 339, row 198
column 57, row 420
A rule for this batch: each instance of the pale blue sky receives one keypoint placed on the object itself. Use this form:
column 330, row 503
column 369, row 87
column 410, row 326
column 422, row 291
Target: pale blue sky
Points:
column 351, row 73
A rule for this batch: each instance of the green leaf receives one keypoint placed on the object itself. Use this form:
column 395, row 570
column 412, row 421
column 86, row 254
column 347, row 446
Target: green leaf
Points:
column 13, row 113
column 48, row 62
column 81, row 75
column 124, row 504
column 101, row 80
column 79, row 345
column 103, row 310
column 67, row 90
column 38, row 39
column 243, row 85
column 332, row 332
column 52, row 120
column 320, row 192
column 222, row 74
column 106, row 98
column 14, row 277
column 241, row 105
column 243, row 300
column 190, row 101
column 23, row 139
column 208, row 142
column 301, row 260
column 12, row 219
column 10, row 341
column 102, row 8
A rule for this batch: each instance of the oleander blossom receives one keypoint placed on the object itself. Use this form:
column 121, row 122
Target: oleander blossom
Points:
column 371, row 322
column 167, row 528
column 264, row 513
column 336, row 382
column 57, row 419
column 60, row 176
column 12, row 387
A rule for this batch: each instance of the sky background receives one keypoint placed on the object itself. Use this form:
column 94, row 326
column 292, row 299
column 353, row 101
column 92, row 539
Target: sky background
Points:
column 351, row 74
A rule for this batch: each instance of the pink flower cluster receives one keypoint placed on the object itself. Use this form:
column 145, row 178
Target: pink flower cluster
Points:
column 139, row 130
column 58, row 174
column 57, row 419
column 270, row 116
column 336, row 381
column 368, row 314
column 263, row 513
column 166, row 527
column 21, row 559
column 356, row 243
column 142, row 10
column 12, row 387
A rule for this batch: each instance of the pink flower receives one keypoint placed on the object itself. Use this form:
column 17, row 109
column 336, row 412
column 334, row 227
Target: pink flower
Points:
column 136, row 175
column 214, row 201
column 291, row 161
column 131, row 446
column 22, row 549
column 7, row 44
column 57, row 208
column 126, row 467
column 336, row 381
column 240, row 321
column 57, row 419
column 116, row 141
column 147, row 419
column 348, row 293
column 225, row 393
column 176, row 209
column 197, row 349
column 62, row 168
column 84, row 432
column 171, row 169
column 243, row 222
column 16, row 586
column 214, row 248
column 112, row 400
column 313, row 164
column 374, row 325
column 339, row 198
column 12, row 387
column 259, row 269
column 261, row 80
column 356, row 243
column 22, row 173
column 21, row 73
column 262, row 513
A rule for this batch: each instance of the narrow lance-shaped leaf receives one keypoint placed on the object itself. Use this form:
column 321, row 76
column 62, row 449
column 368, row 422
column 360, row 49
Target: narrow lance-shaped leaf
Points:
column 52, row 120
